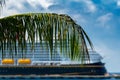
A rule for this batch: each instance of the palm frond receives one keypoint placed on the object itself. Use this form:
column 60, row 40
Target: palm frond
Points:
column 56, row 31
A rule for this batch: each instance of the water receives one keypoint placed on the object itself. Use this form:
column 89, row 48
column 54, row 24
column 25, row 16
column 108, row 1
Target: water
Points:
column 60, row 78
column 57, row 78
column 111, row 77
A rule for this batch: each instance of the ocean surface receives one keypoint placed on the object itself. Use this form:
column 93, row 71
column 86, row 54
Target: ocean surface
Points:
column 113, row 76
column 60, row 78
column 56, row 79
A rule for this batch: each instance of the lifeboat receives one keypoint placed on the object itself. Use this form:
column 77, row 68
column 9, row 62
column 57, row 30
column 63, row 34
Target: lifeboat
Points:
column 7, row 61
column 24, row 61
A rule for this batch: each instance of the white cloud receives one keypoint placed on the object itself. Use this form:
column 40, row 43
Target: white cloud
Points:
column 44, row 3
column 12, row 7
column 104, row 19
column 118, row 3
column 15, row 4
column 9, row 12
column 90, row 5
column 79, row 18
column 18, row 6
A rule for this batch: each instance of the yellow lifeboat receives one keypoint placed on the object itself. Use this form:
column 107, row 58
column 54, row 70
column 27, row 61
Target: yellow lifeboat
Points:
column 24, row 61
column 7, row 61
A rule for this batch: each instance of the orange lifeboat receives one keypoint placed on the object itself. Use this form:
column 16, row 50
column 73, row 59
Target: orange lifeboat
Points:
column 7, row 61
column 24, row 61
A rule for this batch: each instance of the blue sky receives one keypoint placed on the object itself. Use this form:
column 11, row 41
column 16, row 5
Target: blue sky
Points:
column 99, row 18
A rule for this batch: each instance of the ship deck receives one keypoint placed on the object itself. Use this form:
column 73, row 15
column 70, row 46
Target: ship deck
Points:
column 99, row 64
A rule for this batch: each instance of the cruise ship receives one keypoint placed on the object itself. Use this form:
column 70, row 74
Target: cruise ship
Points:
column 40, row 63
column 33, row 44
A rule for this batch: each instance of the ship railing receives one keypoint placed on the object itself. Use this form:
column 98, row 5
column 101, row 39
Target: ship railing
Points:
column 56, row 62
column 46, row 62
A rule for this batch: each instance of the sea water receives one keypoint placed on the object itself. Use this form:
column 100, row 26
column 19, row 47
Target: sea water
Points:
column 57, row 78
column 61, row 77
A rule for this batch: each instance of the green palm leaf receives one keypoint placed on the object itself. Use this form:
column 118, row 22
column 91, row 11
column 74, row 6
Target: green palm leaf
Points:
column 56, row 31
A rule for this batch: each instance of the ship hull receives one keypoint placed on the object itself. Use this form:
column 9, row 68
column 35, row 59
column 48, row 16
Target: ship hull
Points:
column 86, row 69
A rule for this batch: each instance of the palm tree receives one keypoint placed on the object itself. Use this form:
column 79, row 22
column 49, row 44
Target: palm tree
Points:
column 56, row 31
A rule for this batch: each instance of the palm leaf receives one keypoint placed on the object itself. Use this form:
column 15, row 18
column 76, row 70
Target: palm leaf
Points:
column 56, row 31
